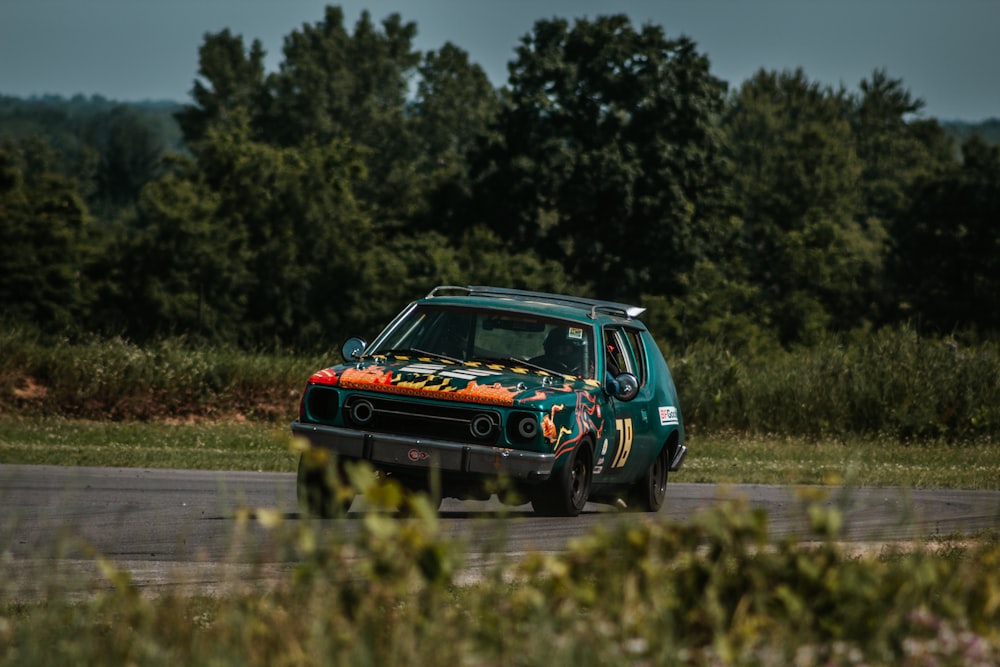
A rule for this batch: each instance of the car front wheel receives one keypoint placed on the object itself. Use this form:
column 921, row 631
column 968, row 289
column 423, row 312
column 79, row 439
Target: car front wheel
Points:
column 567, row 491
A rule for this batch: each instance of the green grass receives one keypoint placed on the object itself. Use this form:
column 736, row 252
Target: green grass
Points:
column 721, row 459
column 859, row 461
column 259, row 446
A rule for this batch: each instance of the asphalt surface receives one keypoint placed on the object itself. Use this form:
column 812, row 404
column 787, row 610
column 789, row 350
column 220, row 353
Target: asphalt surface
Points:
column 203, row 529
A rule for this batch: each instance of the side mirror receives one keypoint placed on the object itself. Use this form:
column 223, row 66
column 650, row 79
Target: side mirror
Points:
column 628, row 387
column 353, row 348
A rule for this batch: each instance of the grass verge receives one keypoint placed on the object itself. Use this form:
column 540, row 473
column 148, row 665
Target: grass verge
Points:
column 718, row 458
column 860, row 461
column 235, row 445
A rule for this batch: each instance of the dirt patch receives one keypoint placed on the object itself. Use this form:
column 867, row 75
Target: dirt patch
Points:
column 28, row 389
column 27, row 395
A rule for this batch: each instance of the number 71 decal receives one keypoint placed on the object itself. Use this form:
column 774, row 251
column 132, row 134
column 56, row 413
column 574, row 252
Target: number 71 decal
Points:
column 623, row 442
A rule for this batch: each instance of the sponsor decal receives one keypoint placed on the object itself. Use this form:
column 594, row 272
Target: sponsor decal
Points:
column 417, row 455
column 668, row 415
column 599, row 466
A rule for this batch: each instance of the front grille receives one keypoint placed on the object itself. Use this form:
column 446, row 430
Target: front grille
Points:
column 322, row 403
column 386, row 415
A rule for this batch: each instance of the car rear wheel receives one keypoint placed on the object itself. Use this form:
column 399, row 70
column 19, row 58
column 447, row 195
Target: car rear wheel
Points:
column 648, row 493
column 567, row 491
column 322, row 487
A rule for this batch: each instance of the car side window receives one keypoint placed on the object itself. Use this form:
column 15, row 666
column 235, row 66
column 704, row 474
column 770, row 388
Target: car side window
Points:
column 638, row 354
column 624, row 352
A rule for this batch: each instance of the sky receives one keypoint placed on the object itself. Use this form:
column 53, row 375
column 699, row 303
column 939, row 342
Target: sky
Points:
column 946, row 52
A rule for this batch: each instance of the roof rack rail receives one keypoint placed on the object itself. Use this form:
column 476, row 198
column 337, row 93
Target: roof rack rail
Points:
column 441, row 288
column 593, row 305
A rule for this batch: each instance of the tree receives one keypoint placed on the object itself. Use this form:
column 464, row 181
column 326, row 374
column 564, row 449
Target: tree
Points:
column 184, row 268
column 333, row 85
column 809, row 245
column 44, row 239
column 304, row 230
column 404, row 266
column 948, row 245
column 251, row 243
column 454, row 106
column 130, row 157
column 896, row 148
column 230, row 88
column 606, row 156
column 109, row 150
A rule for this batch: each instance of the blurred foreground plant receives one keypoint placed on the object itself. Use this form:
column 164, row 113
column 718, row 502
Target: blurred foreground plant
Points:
column 382, row 588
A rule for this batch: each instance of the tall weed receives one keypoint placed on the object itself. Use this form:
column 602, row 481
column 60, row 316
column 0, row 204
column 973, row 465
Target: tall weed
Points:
column 892, row 383
column 116, row 379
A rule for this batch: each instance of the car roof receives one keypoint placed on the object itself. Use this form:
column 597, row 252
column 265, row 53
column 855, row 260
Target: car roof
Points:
column 573, row 307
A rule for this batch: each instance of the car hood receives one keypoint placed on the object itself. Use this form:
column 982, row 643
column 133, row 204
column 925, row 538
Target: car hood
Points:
column 470, row 382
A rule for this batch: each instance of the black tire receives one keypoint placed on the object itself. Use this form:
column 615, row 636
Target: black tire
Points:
column 568, row 490
column 648, row 493
column 321, row 486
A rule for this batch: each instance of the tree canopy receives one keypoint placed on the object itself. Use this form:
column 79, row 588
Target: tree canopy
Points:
column 297, row 206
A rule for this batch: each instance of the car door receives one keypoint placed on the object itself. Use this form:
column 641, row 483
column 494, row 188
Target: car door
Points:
column 627, row 450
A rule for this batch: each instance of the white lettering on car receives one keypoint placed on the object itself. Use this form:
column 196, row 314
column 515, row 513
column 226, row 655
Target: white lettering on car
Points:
column 428, row 369
column 451, row 372
column 468, row 373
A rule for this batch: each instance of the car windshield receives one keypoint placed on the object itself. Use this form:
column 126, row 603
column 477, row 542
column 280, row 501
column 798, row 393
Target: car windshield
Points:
column 491, row 336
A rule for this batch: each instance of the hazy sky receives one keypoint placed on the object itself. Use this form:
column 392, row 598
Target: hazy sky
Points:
column 946, row 52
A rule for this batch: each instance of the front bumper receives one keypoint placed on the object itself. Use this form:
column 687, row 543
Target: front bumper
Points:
column 408, row 452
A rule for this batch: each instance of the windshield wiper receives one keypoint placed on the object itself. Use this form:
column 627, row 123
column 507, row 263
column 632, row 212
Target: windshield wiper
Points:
column 416, row 352
column 514, row 362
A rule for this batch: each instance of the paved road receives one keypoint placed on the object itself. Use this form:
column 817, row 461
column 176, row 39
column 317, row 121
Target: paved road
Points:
column 159, row 523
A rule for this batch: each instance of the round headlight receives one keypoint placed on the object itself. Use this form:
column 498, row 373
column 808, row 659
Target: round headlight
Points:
column 362, row 412
column 481, row 426
column 527, row 427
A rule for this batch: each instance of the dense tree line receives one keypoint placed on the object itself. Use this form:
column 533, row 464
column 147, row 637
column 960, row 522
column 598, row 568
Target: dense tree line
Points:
column 313, row 201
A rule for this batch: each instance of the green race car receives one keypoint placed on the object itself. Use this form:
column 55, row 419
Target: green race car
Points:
column 561, row 399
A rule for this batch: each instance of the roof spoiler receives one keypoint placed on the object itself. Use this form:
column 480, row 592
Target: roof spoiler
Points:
column 594, row 305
